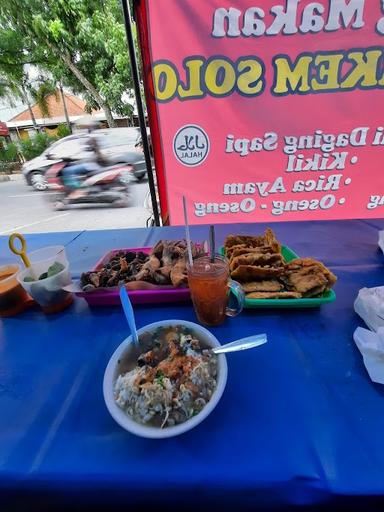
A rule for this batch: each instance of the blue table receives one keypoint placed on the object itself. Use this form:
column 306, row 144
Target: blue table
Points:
column 300, row 421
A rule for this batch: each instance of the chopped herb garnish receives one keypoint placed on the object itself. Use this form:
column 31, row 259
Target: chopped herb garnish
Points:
column 54, row 269
column 159, row 377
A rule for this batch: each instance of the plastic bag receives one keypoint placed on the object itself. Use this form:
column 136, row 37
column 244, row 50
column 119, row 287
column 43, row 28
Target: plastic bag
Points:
column 369, row 305
column 381, row 240
column 371, row 346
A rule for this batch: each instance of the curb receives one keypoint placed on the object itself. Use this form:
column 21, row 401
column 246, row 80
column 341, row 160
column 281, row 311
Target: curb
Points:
column 4, row 177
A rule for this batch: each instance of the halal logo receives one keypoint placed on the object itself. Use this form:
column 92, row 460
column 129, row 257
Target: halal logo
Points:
column 191, row 145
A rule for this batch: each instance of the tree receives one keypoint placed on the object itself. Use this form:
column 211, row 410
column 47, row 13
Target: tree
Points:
column 41, row 93
column 14, row 82
column 63, row 100
column 82, row 42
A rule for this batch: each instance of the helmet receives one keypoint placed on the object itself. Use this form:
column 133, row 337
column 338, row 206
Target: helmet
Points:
column 86, row 123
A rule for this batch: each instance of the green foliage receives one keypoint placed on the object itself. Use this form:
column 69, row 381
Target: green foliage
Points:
column 63, row 131
column 80, row 42
column 15, row 52
column 8, row 151
column 34, row 146
column 29, row 148
column 12, row 53
column 11, row 65
column 41, row 93
column 9, row 156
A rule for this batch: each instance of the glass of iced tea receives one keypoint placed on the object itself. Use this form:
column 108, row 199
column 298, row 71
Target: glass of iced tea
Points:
column 210, row 287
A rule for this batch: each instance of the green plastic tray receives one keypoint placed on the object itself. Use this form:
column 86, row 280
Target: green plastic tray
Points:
column 289, row 255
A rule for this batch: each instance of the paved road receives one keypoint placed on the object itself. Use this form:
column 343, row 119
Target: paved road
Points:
column 22, row 209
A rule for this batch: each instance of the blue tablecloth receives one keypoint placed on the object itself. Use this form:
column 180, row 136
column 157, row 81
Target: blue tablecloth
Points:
column 300, row 421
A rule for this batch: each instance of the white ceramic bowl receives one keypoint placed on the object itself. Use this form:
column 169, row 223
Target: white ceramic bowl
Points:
column 128, row 423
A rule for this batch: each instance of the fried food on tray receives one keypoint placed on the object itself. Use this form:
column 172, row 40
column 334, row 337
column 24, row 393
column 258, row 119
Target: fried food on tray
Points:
column 257, row 260
column 248, row 272
column 268, row 240
column 240, row 250
column 308, row 276
column 270, row 285
column 257, row 263
column 179, row 273
column 120, row 268
column 243, row 240
column 273, row 295
column 164, row 266
column 271, row 241
column 254, row 258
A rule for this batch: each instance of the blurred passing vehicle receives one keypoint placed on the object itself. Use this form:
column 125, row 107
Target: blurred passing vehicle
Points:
column 108, row 185
column 118, row 145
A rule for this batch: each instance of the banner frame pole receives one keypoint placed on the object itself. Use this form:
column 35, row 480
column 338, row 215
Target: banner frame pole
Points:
column 140, row 109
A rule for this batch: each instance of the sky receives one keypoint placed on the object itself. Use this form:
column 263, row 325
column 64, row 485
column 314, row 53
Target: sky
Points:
column 7, row 112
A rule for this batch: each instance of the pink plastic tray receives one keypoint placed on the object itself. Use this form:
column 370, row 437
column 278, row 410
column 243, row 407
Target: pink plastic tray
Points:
column 111, row 297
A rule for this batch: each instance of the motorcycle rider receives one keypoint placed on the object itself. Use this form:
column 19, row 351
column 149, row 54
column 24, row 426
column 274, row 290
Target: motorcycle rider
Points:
column 93, row 161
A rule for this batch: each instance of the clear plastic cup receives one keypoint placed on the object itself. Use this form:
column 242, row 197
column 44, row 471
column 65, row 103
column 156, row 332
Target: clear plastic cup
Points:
column 48, row 292
column 13, row 298
column 42, row 259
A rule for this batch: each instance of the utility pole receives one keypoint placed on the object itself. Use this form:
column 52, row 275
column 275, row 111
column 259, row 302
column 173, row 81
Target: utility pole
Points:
column 140, row 110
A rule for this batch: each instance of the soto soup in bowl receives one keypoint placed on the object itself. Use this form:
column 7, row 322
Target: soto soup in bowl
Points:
column 169, row 384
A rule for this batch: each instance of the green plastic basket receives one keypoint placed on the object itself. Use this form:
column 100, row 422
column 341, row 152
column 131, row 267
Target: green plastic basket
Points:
column 289, row 255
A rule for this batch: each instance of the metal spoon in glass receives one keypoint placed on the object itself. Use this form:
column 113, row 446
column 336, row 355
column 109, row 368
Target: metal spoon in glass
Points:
column 242, row 344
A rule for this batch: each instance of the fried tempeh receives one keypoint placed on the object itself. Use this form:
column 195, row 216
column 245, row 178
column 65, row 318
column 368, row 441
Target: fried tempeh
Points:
column 306, row 283
column 308, row 276
column 245, row 273
column 266, row 240
column 273, row 295
column 299, row 263
column 230, row 250
column 257, row 263
column 315, row 292
column 271, row 240
column 257, row 260
column 270, row 285
column 238, row 250
column 249, row 241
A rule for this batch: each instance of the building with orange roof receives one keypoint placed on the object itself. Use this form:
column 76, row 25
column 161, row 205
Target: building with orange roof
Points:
column 21, row 125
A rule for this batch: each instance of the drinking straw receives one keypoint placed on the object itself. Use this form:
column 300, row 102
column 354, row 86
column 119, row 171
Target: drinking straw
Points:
column 212, row 243
column 187, row 234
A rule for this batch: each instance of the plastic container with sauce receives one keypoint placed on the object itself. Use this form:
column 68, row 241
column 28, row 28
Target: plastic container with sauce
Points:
column 13, row 297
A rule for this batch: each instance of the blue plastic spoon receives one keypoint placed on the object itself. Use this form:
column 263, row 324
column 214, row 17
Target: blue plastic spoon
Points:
column 129, row 315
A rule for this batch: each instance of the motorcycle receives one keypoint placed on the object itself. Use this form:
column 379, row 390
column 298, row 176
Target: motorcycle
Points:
column 108, row 185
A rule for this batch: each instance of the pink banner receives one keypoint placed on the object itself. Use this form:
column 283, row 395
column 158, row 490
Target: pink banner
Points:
column 270, row 110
